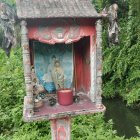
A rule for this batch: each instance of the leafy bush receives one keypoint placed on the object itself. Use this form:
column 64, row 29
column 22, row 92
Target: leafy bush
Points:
column 93, row 127
column 11, row 105
column 11, row 2
column 121, row 65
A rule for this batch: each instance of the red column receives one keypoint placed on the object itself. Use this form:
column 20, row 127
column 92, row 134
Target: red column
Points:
column 60, row 129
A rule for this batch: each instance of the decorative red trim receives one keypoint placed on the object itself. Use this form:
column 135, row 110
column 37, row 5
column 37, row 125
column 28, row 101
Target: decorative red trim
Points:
column 61, row 31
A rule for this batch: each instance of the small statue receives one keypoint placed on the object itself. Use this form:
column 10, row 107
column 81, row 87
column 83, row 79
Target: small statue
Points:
column 33, row 76
column 76, row 99
column 113, row 29
column 37, row 88
column 58, row 75
column 52, row 101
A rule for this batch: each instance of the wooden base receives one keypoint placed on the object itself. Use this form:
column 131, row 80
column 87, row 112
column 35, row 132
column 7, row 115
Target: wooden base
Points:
column 47, row 112
column 60, row 129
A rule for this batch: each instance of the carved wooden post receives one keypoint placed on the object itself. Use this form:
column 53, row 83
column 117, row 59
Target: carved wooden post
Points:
column 99, row 63
column 28, row 100
column 60, row 129
column 93, row 69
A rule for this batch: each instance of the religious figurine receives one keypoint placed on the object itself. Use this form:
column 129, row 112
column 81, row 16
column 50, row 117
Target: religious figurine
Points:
column 37, row 88
column 47, row 76
column 33, row 76
column 58, row 75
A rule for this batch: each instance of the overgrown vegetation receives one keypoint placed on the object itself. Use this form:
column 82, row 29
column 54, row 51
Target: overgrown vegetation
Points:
column 121, row 65
column 121, row 78
column 11, row 103
column 10, row 2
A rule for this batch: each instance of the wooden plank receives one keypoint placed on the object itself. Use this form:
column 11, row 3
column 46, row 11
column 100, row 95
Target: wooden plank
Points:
column 29, row 103
column 99, row 63
column 60, row 129
column 85, row 106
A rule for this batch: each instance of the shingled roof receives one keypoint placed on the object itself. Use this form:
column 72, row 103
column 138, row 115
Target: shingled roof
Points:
column 55, row 8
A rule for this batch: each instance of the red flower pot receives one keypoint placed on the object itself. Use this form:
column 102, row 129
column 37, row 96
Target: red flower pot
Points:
column 65, row 97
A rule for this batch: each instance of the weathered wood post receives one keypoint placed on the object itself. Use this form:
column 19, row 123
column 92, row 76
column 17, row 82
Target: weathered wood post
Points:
column 96, row 65
column 29, row 104
column 93, row 67
column 99, row 63
column 61, row 129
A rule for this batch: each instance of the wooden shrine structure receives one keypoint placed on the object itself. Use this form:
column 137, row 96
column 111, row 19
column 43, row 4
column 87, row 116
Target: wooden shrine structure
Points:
column 66, row 33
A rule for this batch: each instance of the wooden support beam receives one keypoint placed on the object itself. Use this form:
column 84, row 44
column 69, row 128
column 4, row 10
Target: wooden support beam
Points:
column 60, row 129
column 28, row 100
column 99, row 63
column 93, row 68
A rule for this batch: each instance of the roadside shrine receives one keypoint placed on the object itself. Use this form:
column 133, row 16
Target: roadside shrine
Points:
column 62, row 57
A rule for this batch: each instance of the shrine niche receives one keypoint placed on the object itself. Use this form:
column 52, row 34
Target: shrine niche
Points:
column 45, row 62
column 62, row 57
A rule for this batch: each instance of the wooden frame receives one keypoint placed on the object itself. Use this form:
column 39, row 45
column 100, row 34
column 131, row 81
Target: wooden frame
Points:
column 60, row 115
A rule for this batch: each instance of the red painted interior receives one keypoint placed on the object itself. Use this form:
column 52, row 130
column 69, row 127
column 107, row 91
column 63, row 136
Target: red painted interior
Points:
column 82, row 64
column 86, row 64
column 78, row 66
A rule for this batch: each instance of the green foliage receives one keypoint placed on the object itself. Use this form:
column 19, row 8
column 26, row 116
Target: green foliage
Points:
column 93, row 127
column 11, row 2
column 121, row 77
column 11, row 103
column 138, row 130
column 11, row 88
column 121, row 63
